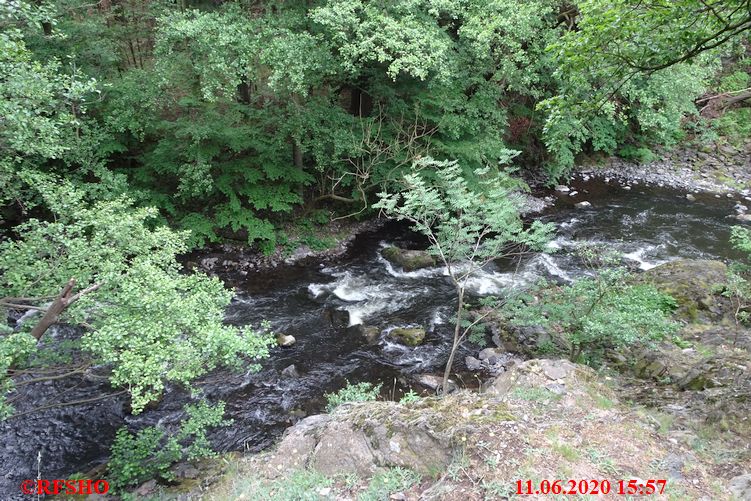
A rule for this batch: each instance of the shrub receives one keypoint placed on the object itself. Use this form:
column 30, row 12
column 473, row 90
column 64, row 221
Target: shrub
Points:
column 152, row 451
column 360, row 392
column 591, row 315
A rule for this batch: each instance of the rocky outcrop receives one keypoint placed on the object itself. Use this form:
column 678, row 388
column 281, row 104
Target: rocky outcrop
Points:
column 408, row 260
column 411, row 336
column 555, row 376
column 365, row 438
column 694, row 284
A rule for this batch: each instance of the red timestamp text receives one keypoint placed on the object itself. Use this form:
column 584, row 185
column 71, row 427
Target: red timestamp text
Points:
column 592, row 486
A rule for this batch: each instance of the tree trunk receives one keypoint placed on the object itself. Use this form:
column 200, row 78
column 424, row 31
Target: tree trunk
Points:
column 455, row 344
column 297, row 154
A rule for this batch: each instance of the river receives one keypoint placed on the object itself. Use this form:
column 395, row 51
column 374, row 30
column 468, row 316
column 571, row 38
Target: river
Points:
column 646, row 225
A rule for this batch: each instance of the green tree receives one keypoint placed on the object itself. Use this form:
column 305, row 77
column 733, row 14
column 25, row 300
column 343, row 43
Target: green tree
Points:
column 108, row 269
column 467, row 227
column 628, row 72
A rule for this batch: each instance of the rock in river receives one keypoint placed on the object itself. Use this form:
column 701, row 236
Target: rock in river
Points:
column 411, row 336
column 409, row 260
column 285, row 340
column 369, row 332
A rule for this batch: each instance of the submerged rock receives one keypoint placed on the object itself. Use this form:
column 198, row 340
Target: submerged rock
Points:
column 411, row 336
column 408, row 260
column 370, row 333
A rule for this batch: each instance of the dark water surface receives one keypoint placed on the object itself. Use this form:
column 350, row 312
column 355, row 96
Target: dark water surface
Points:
column 646, row 225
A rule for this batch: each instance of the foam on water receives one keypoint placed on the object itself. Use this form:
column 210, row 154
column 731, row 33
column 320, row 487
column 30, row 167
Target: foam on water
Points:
column 638, row 256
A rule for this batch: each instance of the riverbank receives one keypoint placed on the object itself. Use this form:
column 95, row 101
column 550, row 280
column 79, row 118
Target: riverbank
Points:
column 720, row 168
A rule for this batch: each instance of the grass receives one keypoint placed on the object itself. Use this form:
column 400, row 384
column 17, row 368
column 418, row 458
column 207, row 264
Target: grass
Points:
column 566, row 451
column 603, row 463
column 498, row 490
column 303, row 485
column 383, row 484
column 534, row 394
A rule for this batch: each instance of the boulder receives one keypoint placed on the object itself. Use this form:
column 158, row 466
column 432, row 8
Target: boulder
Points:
column 408, row 260
column 740, row 487
column 694, row 284
column 651, row 365
column 411, row 336
column 433, row 382
column 472, row 364
column 338, row 318
column 489, row 352
column 557, row 369
column 582, row 205
column 285, row 340
column 364, row 440
column 556, row 376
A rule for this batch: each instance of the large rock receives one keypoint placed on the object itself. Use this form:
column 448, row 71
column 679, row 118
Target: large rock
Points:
column 694, row 284
column 364, row 439
column 740, row 486
column 411, row 336
column 408, row 260
column 339, row 319
column 556, row 376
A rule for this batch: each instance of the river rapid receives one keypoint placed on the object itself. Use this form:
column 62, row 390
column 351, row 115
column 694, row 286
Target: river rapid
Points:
column 318, row 303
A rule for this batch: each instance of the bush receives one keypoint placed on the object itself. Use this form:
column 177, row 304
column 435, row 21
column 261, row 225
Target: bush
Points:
column 596, row 314
column 152, row 451
column 360, row 392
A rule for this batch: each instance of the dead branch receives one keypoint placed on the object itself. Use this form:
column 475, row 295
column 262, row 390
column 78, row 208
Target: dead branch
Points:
column 59, row 305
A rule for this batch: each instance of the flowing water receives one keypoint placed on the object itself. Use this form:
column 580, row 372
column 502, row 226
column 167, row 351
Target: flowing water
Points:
column 317, row 303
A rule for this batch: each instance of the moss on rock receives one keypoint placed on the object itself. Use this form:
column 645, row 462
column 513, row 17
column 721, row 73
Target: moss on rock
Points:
column 408, row 260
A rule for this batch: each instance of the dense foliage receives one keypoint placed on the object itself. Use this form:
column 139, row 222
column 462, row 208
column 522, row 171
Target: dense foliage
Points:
column 152, row 451
column 227, row 116
column 134, row 131
column 359, row 392
column 594, row 315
